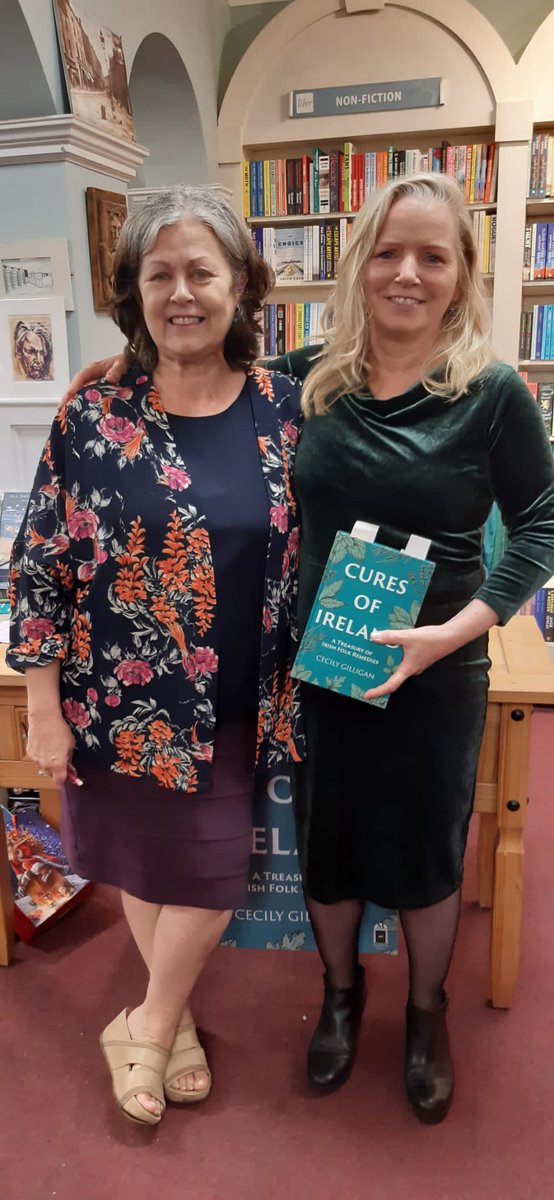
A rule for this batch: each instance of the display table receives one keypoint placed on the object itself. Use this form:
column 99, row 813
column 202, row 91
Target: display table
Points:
column 521, row 675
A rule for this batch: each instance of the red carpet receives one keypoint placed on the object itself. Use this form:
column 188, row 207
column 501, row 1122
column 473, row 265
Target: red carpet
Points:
column 261, row 1136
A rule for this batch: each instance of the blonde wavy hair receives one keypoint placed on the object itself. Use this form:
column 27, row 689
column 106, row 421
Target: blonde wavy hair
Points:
column 462, row 349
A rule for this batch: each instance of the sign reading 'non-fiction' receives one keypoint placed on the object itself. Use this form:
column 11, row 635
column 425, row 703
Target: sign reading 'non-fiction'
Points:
column 366, row 97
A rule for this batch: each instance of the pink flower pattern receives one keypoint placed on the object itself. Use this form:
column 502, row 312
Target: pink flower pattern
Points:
column 131, row 638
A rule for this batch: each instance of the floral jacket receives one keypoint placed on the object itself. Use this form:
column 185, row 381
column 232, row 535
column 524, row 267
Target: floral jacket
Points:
column 112, row 573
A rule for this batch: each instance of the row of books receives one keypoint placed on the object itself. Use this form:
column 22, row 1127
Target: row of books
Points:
column 289, row 327
column 536, row 333
column 340, row 180
column 543, row 393
column 484, row 229
column 303, row 253
column 538, row 251
column 541, row 165
column 541, row 607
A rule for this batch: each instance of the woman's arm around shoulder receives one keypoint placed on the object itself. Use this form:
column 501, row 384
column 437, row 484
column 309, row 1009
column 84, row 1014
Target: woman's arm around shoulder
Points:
column 295, row 362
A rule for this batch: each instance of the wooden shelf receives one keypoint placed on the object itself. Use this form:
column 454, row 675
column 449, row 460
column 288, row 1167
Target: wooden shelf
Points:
column 539, row 204
column 537, row 364
column 538, row 285
column 277, row 295
column 307, row 218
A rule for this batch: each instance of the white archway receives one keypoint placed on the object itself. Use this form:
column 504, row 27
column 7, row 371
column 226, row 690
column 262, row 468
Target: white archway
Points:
column 166, row 116
column 25, row 91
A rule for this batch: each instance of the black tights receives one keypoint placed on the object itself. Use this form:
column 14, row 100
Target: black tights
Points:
column 429, row 934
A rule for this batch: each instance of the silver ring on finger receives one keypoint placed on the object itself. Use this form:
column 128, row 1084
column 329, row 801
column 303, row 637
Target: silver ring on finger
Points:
column 41, row 772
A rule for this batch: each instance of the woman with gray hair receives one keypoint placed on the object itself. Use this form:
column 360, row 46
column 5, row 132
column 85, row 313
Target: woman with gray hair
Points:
column 153, row 581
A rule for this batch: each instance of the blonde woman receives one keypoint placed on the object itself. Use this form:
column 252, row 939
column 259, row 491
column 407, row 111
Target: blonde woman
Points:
column 413, row 426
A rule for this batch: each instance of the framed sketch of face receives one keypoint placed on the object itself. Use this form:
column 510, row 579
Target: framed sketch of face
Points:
column 106, row 212
column 35, row 268
column 33, row 349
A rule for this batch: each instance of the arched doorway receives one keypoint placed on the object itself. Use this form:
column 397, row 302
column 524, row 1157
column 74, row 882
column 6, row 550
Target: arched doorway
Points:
column 166, row 116
column 21, row 62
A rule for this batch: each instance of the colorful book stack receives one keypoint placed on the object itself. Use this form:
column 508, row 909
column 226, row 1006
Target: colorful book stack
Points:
column 541, row 607
column 484, row 229
column 538, row 251
column 536, row 333
column 338, row 180
column 543, row 393
column 302, row 253
column 541, row 165
column 290, row 326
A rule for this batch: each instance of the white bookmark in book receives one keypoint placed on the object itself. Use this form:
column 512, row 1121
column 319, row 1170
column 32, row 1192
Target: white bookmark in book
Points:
column 416, row 546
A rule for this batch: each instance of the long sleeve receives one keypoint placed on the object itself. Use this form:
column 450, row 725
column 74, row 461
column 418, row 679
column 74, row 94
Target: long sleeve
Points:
column 521, row 476
column 41, row 580
column 296, row 362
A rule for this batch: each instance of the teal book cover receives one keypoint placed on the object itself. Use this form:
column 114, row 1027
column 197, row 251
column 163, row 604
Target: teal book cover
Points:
column 365, row 586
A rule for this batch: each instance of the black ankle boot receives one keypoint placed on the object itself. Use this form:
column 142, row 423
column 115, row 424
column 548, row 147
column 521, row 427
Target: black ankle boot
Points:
column 429, row 1070
column 333, row 1046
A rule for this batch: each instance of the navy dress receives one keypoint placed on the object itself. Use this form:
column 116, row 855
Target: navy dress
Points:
column 166, row 847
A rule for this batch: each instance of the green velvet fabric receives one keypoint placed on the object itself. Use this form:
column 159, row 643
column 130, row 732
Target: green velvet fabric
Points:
column 416, row 464
column 383, row 800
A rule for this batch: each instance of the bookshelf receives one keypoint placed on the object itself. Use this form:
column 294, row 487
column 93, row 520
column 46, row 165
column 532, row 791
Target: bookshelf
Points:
column 323, row 43
column 322, row 189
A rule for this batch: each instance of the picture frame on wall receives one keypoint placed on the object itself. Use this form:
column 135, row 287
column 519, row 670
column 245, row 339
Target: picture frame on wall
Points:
column 106, row 212
column 94, row 68
column 34, row 362
column 36, row 267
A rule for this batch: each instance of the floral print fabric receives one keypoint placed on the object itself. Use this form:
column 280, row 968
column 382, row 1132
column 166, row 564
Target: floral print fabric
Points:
column 112, row 573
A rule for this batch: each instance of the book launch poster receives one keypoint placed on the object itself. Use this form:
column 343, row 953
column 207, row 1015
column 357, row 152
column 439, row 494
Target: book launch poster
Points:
column 274, row 915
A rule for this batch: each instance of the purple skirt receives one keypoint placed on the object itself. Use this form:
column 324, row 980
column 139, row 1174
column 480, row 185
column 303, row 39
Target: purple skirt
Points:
column 162, row 846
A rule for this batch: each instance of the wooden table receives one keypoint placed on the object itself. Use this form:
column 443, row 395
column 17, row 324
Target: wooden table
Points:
column 521, row 675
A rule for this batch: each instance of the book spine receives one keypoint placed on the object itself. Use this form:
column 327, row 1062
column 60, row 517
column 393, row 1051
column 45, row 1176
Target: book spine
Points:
column 273, row 188
column 315, row 160
column 280, row 329
column 549, row 614
column 545, row 400
column 549, row 265
column 539, row 263
column 246, row 189
column 324, row 188
column 266, row 183
column 538, row 332
column 334, row 181
column 336, row 247
column 540, row 607
column 290, row 187
column 472, row 178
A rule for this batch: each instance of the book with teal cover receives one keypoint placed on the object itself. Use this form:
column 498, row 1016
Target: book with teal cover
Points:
column 365, row 586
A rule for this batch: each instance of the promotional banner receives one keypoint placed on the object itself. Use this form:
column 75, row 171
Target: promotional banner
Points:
column 274, row 916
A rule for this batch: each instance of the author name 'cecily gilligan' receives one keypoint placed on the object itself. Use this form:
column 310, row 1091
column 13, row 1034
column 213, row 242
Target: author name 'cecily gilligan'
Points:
column 363, row 602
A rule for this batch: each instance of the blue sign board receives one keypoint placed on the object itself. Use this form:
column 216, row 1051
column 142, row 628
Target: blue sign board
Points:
column 274, row 916
column 366, row 98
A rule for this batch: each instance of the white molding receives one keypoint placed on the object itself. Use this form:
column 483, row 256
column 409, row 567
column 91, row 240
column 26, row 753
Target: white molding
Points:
column 459, row 18
column 65, row 138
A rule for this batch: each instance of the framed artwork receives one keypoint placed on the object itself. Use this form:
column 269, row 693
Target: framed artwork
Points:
column 106, row 212
column 33, row 349
column 35, row 268
column 94, row 68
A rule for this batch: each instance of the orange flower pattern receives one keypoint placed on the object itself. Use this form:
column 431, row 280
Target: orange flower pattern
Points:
column 112, row 573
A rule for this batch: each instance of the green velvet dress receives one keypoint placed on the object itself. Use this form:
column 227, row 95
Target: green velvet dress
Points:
column 384, row 797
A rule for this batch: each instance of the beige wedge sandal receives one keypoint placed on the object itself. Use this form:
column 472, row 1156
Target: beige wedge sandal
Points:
column 134, row 1067
column 186, row 1056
